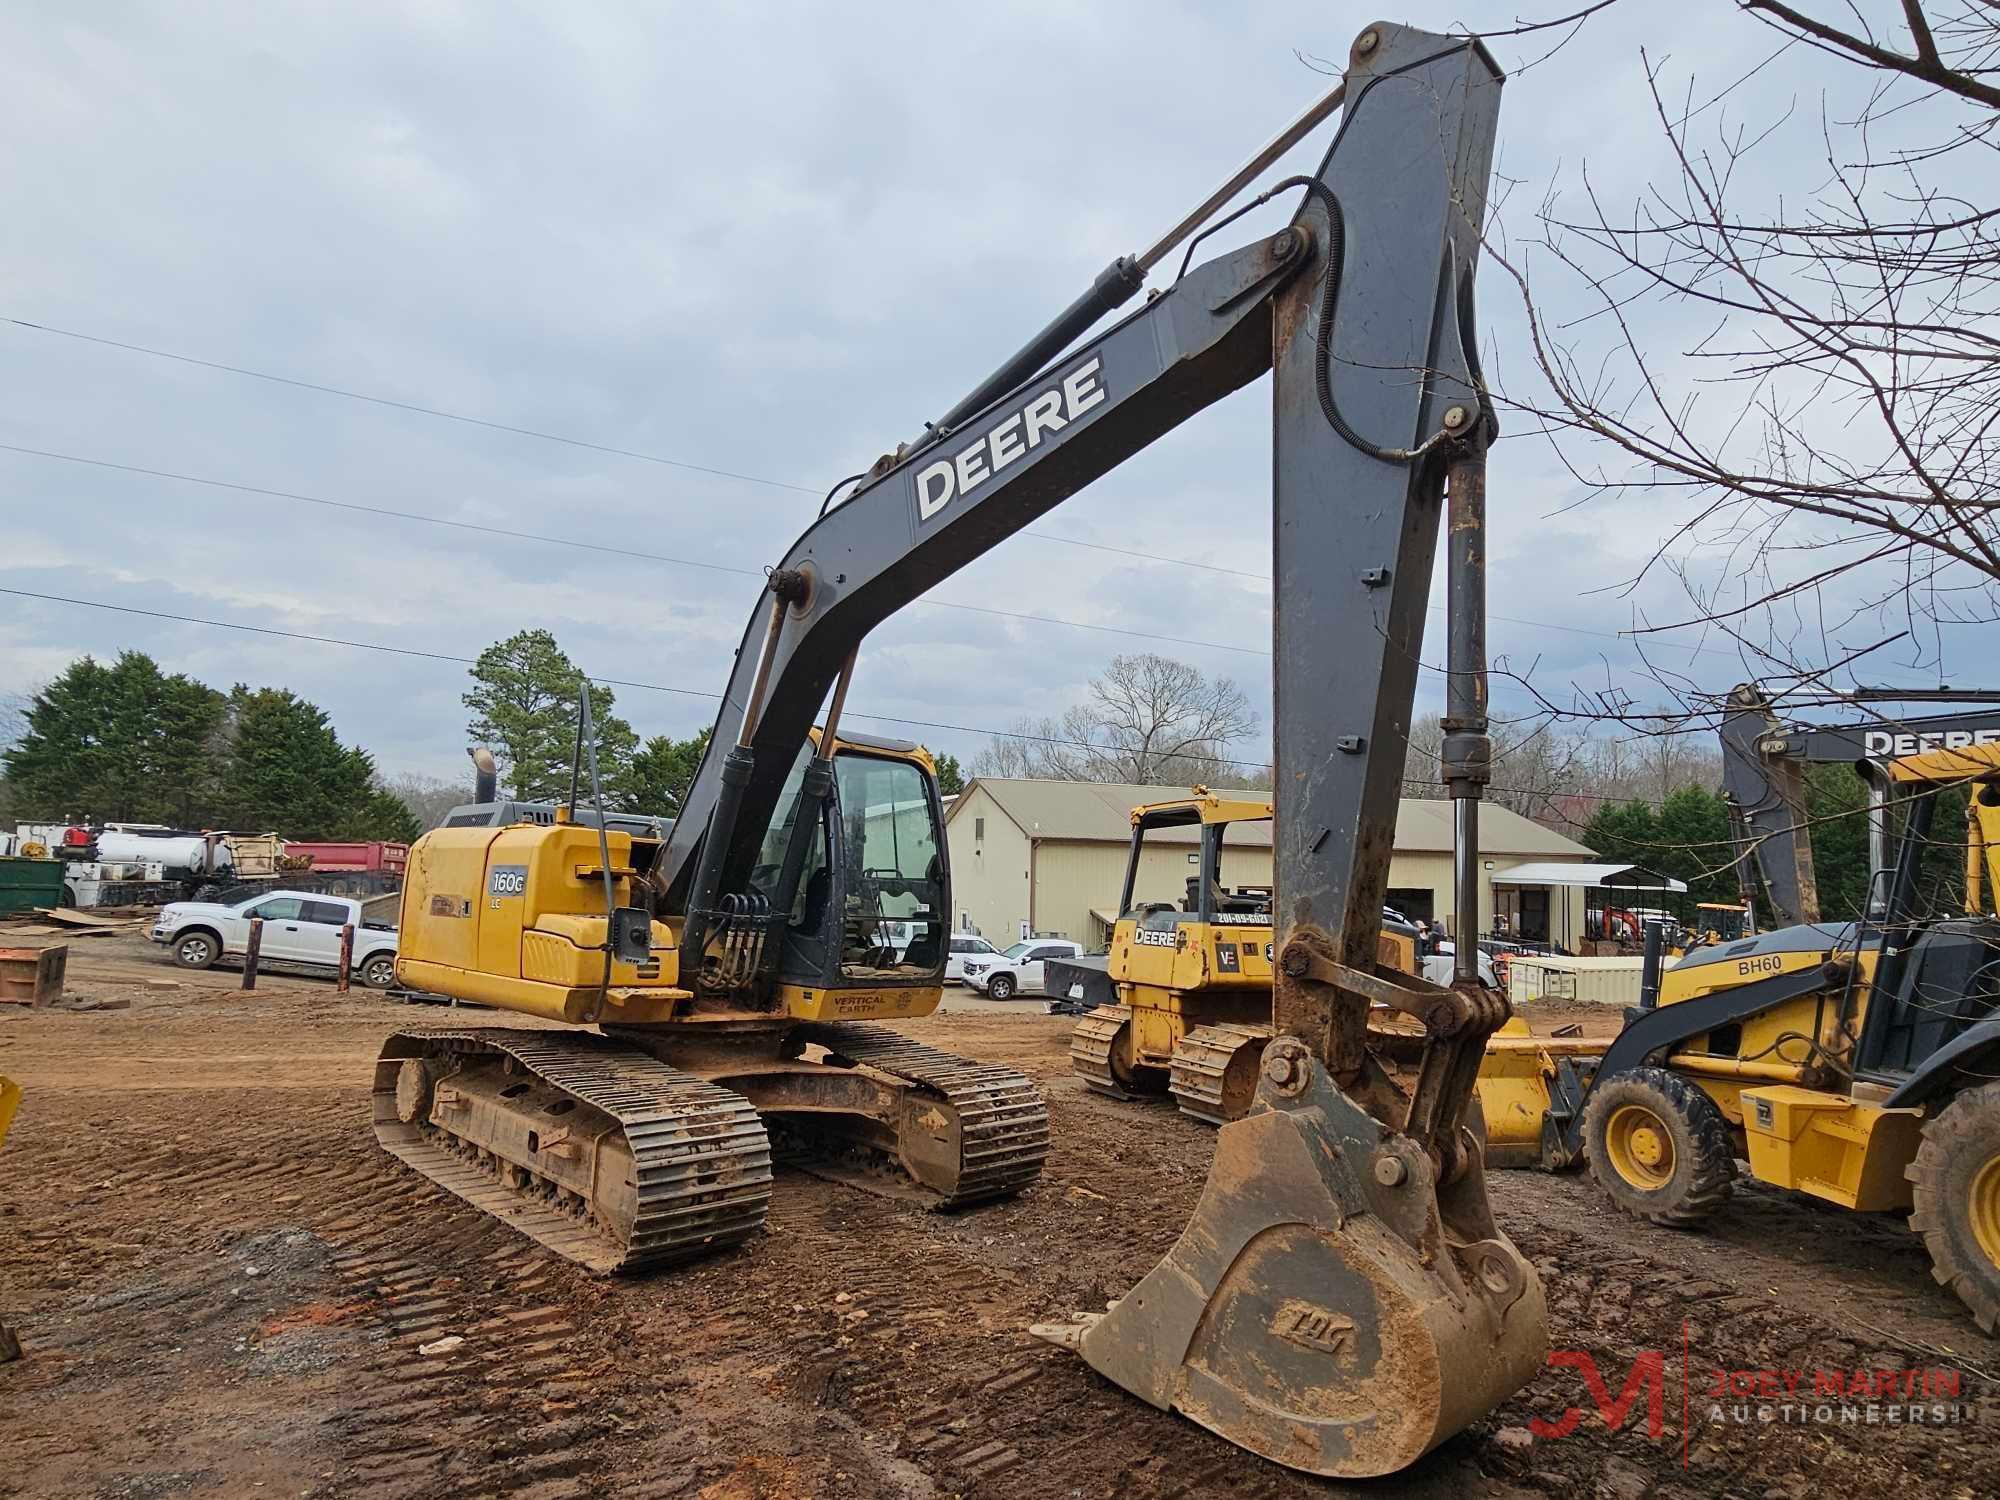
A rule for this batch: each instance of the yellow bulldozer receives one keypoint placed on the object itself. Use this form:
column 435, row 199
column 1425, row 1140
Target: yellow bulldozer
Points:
column 1181, row 1002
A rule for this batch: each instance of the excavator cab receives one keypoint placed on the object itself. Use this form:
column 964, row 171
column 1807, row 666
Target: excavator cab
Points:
column 871, row 904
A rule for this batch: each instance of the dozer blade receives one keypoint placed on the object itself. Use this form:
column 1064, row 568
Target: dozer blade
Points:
column 1316, row 1311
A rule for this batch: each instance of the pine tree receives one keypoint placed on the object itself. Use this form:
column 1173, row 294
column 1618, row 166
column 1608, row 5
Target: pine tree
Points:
column 288, row 771
column 524, row 708
column 950, row 776
column 119, row 743
column 660, row 773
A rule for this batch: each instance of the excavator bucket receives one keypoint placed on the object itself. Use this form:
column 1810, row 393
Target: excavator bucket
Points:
column 10, row 1098
column 1317, row 1310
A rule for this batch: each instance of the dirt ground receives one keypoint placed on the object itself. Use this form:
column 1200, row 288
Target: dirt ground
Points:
column 224, row 1286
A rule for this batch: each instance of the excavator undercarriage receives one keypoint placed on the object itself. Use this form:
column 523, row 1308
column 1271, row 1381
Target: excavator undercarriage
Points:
column 632, row 1150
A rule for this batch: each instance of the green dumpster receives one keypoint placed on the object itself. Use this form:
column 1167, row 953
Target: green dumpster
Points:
column 28, row 883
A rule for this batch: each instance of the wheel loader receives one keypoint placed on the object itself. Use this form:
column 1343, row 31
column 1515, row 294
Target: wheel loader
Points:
column 1342, row 1299
column 1181, row 1002
column 1858, row 1062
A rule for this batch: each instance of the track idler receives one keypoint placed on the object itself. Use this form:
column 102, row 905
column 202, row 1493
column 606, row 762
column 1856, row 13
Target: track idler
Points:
column 1341, row 1301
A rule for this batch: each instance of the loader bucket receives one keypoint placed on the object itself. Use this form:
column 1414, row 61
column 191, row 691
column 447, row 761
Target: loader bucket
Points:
column 1514, row 1095
column 1317, row 1310
column 1517, row 1083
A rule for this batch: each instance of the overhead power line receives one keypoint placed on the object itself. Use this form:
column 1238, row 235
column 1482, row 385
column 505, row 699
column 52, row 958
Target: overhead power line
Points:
column 469, row 661
column 676, row 463
column 583, row 546
column 688, row 562
column 553, row 437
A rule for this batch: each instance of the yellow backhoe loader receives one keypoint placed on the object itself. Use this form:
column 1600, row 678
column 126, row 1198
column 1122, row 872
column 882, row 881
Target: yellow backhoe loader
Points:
column 1342, row 1299
column 1855, row 1061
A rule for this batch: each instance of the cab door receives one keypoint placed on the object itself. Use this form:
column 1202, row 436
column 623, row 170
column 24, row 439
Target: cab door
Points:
column 319, row 931
column 283, row 919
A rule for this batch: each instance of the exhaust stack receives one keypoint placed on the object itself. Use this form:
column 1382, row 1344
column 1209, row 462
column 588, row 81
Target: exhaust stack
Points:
column 486, row 774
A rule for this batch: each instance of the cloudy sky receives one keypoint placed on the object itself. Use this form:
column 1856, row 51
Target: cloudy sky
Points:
column 755, row 244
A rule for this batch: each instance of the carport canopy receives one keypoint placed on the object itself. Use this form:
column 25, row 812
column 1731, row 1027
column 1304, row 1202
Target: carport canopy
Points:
column 1608, row 877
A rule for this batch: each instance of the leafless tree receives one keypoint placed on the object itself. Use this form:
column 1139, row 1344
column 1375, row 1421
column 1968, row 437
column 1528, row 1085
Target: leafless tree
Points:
column 428, row 798
column 1148, row 720
column 1827, row 406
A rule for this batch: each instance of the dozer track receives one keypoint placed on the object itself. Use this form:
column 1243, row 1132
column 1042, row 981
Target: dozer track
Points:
column 1214, row 1073
column 1091, row 1046
column 972, row 1131
column 600, row 1152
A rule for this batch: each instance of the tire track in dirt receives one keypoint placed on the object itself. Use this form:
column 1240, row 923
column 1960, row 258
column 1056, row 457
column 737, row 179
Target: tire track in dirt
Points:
column 494, row 1416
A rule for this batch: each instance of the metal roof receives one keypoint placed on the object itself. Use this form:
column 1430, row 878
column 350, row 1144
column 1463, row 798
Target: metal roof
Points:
column 1561, row 872
column 1101, row 812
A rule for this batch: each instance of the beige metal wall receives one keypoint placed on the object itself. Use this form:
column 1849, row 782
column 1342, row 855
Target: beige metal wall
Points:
column 989, row 875
column 1604, row 981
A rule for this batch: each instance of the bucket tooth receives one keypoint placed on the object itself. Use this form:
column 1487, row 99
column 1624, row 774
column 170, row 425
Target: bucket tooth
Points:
column 1317, row 1310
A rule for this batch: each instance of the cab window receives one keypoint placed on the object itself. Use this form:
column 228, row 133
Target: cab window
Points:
column 889, row 850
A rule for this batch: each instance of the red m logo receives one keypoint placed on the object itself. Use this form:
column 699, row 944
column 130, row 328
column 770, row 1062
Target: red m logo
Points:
column 1649, row 1371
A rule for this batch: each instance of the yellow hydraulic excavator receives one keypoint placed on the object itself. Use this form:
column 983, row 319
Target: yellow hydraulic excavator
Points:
column 1342, row 1300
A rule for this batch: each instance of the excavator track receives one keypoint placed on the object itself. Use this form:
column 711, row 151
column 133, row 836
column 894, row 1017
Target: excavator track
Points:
column 605, row 1155
column 999, row 1119
column 1214, row 1074
column 1091, row 1046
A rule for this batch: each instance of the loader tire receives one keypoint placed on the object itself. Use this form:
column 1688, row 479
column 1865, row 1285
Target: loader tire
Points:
column 1659, row 1147
column 1955, row 1199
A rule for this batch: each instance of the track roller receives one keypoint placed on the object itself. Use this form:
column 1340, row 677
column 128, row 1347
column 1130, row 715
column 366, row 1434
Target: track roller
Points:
column 1095, row 1049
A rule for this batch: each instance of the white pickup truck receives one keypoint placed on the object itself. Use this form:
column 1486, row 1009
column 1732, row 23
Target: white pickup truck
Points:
column 300, row 927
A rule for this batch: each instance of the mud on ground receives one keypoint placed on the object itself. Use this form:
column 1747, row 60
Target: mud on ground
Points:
column 225, row 1289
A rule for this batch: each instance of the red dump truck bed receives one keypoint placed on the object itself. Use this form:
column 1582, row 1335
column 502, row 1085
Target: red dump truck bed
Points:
column 370, row 856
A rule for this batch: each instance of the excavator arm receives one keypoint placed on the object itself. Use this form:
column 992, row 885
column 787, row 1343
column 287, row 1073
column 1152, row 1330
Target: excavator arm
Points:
column 1763, row 780
column 1342, row 1300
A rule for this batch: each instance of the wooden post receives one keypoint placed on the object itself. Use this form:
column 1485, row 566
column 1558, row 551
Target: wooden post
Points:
column 250, row 952
column 346, row 955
